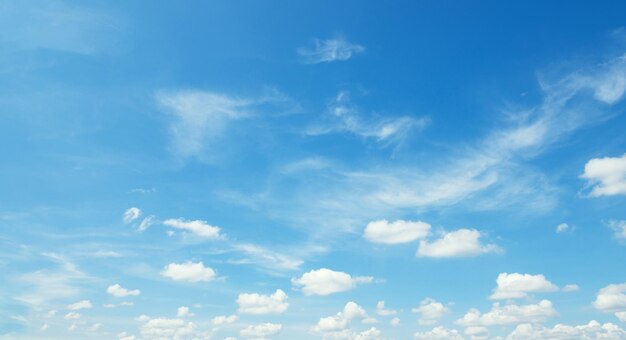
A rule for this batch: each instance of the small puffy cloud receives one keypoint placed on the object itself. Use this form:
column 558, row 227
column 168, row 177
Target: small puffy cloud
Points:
column 324, row 51
column 224, row 319
column 563, row 227
column 84, row 304
column 196, row 227
column 439, row 333
column 476, row 331
column 261, row 330
column 515, row 286
column 400, row 231
column 621, row 316
column 325, row 281
column 611, row 298
column 125, row 336
column 118, row 291
column 395, row 322
column 430, row 311
column 619, row 229
column 263, row 304
column 336, row 326
column 131, row 214
column 72, row 316
column 458, row 243
column 189, row 271
column 592, row 330
column 146, row 223
column 380, row 309
column 606, row 176
column 183, row 311
column 570, row 288
column 165, row 328
column 509, row 314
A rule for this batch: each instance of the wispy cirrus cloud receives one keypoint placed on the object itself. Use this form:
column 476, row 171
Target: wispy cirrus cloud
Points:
column 325, row 51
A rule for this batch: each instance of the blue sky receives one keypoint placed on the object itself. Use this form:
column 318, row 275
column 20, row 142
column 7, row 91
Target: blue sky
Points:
column 312, row 170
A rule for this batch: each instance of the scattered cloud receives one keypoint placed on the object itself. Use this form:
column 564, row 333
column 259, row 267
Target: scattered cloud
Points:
column 606, row 176
column 344, row 117
column 72, row 316
column 258, row 304
column 592, row 330
column 439, row 333
column 611, row 298
column 325, row 281
column 261, row 331
column 325, row 51
column 196, row 227
column 118, row 291
column 224, row 319
column 563, row 227
column 337, row 325
column 189, row 271
column 146, row 223
column 430, row 311
column 131, row 214
column 516, row 286
column 83, row 304
column 570, row 288
column 166, row 328
column 267, row 259
column 183, row 312
column 397, row 232
column 458, row 243
column 509, row 314
column 382, row 311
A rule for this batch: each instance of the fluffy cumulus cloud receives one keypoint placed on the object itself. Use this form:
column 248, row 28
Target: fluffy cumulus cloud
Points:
column 337, row 326
column 458, row 243
column 563, row 227
column 196, row 227
column 189, row 271
column 509, row 314
column 439, row 333
column 606, row 176
column 263, row 304
column 324, row 51
column 400, row 231
column 131, row 214
column 224, row 319
column 515, row 286
column 119, row 291
column 325, row 281
column 183, row 311
column 430, row 311
column 165, row 328
column 611, row 298
column 261, row 331
column 592, row 330
column 382, row 311
column 84, row 304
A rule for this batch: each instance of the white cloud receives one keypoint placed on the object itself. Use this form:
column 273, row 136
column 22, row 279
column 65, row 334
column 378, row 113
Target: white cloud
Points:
column 344, row 117
column 571, row 288
column 515, row 286
column 196, row 227
column 146, row 223
column 611, row 298
column 131, row 214
column 458, row 243
column 621, row 316
column 164, row 328
column 224, row 319
column 563, row 227
column 337, row 49
column 606, row 176
column 118, row 291
column 592, row 330
column 189, row 271
column 439, row 333
column 509, row 314
column 261, row 330
column 337, row 326
column 183, row 311
column 400, row 231
column 619, row 229
column 125, row 336
column 263, row 304
column 325, row 281
column 430, row 311
column 382, row 311
column 395, row 322
column 72, row 316
column 83, row 304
